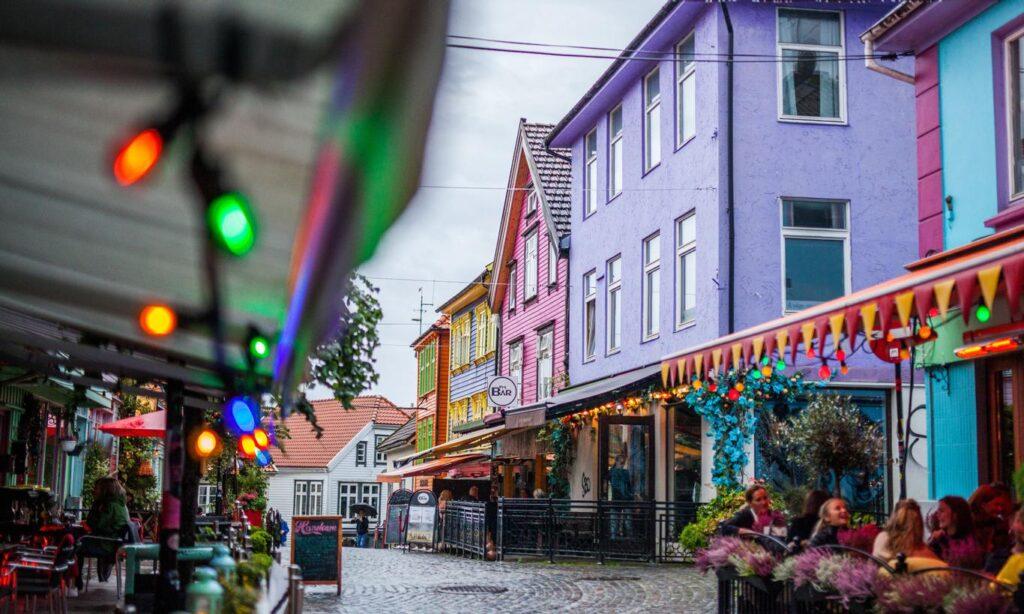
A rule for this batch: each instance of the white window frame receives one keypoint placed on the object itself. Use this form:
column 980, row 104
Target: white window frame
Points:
column 589, row 299
column 615, row 159
column 312, row 502
column 652, row 123
column 552, row 263
column 206, row 498
column 361, row 453
column 651, row 304
column 841, row 54
column 369, row 493
column 1009, row 80
column 684, row 251
column 613, row 292
column 515, row 366
column 349, row 492
column 532, row 199
column 685, row 74
column 545, row 371
column 813, row 233
column 590, row 174
column 531, row 265
column 379, row 458
column 513, row 282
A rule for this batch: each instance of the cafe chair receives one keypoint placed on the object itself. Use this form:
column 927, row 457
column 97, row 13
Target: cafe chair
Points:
column 131, row 536
column 42, row 572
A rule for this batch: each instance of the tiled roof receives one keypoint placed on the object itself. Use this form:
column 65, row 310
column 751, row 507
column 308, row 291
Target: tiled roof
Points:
column 400, row 437
column 340, row 426
column 555, row 174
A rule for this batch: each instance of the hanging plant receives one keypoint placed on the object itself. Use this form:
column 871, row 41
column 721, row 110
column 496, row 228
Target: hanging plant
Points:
column 731, row 404
column 30, row 425
column 560, row 436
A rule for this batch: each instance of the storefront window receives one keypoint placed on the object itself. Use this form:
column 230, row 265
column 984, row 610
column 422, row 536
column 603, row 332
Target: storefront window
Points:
column 1003, row 379
column 686, row 454
column 628, row 461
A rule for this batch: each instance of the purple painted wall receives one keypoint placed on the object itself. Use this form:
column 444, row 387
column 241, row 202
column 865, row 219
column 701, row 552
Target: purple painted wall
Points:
column 869, row 160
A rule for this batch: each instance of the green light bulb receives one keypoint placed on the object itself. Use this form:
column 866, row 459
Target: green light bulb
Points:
column 781, row 365
column 765, row 361
column 983, row 313
column 755, row 374
column 232, row 223
column 259, row 347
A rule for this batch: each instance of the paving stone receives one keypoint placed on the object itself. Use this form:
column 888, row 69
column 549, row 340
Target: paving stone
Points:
column 395, row 581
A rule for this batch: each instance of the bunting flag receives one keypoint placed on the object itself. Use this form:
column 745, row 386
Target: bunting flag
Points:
column 994, row 269
column 687, row 372
column 904, row 304
column 943, row 291
column 665, row 366
column 726, row 360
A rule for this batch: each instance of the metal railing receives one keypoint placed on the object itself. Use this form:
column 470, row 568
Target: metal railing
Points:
column 464, row 528
column 600, row 530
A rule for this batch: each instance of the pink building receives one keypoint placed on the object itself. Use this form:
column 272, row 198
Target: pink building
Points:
column 529, row 289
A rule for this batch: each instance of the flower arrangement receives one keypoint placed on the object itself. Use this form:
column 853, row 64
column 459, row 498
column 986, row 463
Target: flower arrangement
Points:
column 940, row 592
column 964, row 553
column 849, row 578
column 862, row 537
column 747, row 557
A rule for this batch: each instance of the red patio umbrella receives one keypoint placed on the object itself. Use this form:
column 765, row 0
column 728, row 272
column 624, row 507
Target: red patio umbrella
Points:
column 146, row 425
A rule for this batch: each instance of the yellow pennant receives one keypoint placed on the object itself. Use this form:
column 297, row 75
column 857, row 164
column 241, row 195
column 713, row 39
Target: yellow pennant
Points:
column 904, row 303
column 698, row 365
column 835, row 322
column 807, row 330
column 781, row 341
column 716, row 359
column 681, row 371
column 758, row 345
column 988, row 279
column 736, row 349
column 665, row 366
column 867, row 314
column 943, row 290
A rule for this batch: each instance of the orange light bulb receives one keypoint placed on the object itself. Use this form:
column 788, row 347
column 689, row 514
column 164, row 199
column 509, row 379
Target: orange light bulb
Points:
column 158, row 320
column 247, row 446
column 261, row 438
column 206, row 443
column 138, row 157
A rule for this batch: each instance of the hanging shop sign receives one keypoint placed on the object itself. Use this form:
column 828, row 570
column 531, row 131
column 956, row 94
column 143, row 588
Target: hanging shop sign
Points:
column 502, row 391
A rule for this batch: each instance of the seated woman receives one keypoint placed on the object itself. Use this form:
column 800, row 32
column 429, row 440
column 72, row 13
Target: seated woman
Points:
column 756, row 517
column 802, row 527
column 1011, row 570
column 108, row 518
column 991, row 506
column 953, row 538
column 833, row 518
column 904, row 534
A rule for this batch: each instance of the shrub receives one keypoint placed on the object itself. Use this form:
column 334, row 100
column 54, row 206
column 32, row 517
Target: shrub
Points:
column 263, row 562
column 260, row 541
column 238, row 598
column 249, row 574
column 697, row 534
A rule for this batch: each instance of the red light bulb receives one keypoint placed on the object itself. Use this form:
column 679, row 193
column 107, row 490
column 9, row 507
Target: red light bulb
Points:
column 840, row 354
column 824, row 372
column 138, row 157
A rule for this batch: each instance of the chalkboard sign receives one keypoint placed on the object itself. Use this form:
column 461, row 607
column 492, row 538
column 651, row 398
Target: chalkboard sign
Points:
column 316, row 548
column 422, row 519
column 397, row 517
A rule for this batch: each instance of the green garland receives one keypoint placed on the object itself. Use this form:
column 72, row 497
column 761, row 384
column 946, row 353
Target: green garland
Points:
column 560, row 437
column 731, row 404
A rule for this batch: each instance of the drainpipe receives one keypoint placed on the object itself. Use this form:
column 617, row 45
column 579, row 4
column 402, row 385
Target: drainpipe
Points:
column 872, row 63
column 730, row 208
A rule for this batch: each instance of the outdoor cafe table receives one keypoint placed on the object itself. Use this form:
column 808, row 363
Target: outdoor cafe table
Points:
column 134, row 554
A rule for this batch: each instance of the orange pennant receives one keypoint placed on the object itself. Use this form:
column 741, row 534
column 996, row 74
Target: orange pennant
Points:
column 716, row 359
column 664, row 373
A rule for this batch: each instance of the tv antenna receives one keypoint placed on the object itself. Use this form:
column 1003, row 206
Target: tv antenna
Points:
column 419, row 311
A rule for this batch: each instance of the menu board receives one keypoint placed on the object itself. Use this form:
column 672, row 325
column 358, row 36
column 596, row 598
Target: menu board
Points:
column 422, row 518
column 397, row 516
column 316, row 548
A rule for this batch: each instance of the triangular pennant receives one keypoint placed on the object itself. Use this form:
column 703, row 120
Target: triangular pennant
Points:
column 966, row 293
column 726, row 360
column 988, row 279
column 794, row 342
column 683, row 367
column 746, row 351
column 1013, row 275
column 782, row 341
column 716, row 360
column 904, row 303
column 885, row 307
column 821, row 328
column 673, row 373
column 867, row 316
column 835, row 322
column 698, row 365
column 923, row 301
column 852, row 322
column 665, row 368
column 758, row 347
column 737, row 350
column 943, row 292
column 770, row 342
column 807, row 331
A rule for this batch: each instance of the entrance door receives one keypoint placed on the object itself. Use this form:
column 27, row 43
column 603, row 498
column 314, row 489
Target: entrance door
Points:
column 1005, row 389
column 626, row 458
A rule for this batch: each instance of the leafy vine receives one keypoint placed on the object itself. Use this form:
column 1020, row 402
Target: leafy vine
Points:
column 560, row 437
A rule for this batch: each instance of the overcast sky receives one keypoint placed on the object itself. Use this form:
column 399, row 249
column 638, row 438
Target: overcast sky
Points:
column 447, row 236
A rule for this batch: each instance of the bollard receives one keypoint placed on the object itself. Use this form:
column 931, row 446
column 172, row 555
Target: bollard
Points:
column 224, row 563
column 295, row 589
column 204, row 595
column 300, row 590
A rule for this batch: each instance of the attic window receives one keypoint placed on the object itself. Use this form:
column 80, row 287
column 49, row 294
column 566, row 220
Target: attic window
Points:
column 532, row 200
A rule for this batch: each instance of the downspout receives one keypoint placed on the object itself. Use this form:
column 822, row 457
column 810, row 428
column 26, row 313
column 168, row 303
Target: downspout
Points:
column 872, row 63
column 730, row 208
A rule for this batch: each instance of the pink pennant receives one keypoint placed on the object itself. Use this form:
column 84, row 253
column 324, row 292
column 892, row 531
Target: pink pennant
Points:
column 923, row 297
column 966, row 292
column 885, row 307
column 1013, row 276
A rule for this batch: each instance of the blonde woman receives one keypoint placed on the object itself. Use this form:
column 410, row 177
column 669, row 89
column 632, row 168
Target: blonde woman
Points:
column 833, row 517
column 904, row 534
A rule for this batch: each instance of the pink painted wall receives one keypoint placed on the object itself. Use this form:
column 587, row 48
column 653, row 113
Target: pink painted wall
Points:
column 549, row 306
column 930, row 194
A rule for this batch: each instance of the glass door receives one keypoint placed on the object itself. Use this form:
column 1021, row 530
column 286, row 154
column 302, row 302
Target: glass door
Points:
column 686, row 452
column 1005, row 413
column 626, row 458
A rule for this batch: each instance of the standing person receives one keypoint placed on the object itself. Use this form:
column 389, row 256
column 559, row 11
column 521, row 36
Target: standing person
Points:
column 756, row 517
column 362, row 530
column 904, row 534
column 834, row 517
column 954, row 533
column 108, row 518
column 621, row 488
column 802, row 527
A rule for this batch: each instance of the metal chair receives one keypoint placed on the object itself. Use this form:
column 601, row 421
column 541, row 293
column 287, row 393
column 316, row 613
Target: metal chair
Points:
column 43, row 573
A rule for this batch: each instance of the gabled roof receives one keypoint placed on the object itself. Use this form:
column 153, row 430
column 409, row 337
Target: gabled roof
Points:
column 473, row 291
column 340, row 426
column 441, row 324
column 551, row 172
column 403, row 436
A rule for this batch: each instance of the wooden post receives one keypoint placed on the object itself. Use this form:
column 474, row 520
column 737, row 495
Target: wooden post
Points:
column 508, row 487
column 540, row 474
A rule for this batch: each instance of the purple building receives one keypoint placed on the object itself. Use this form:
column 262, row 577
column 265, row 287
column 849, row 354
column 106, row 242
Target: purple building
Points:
column 709, row 196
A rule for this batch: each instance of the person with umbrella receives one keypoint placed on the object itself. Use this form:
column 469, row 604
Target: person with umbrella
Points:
column 363, row 511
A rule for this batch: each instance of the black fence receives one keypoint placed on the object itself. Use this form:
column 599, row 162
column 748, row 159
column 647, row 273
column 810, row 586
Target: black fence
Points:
column 599, row 530
column 464, row 528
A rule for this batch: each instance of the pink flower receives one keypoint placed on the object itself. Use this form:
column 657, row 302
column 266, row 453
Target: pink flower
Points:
column 862, row 537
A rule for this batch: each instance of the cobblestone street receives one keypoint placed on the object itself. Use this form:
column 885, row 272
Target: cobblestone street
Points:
column 395, row 581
